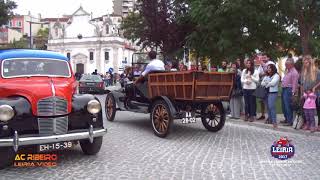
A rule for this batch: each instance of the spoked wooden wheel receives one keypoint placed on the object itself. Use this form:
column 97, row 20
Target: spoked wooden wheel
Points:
column 213, row 117
column 161, row 118
column 110, row 107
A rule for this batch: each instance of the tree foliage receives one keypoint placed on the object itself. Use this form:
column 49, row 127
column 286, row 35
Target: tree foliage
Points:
column 20, row 44
column 41, row 39
column 240, row 27
column 302, row 17
column 222, row 29
column 158, row 24
column 6, row 8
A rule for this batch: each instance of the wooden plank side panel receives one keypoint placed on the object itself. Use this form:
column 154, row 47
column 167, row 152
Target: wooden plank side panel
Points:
column 176, row 85
column 191, row 85
column 213, row 86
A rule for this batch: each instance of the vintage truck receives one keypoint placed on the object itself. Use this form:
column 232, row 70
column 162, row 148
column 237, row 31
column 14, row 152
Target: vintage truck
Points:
column 166, row 96
column 39, row 106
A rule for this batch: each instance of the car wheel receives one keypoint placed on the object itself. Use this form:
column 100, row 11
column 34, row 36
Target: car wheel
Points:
column 93, row 148
column 161, row 118
column 6, row 156
column 110, row 107
column 213, row 117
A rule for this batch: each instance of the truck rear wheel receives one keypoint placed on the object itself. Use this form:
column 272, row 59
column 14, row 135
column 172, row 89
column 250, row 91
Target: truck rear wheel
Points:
column 161, row 118
column 213, row 117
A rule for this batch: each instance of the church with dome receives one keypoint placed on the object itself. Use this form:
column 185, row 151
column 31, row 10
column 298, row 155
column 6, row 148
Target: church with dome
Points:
column 91, row 43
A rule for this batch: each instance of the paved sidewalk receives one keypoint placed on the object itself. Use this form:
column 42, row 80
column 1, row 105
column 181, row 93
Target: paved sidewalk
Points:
column 260, row 123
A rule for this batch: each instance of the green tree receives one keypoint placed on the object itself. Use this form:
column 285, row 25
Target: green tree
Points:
column 6, row 8
column 302, row 18
column 242, row 26
column 222, row 29
column 41, row 39
column 21, row 44
column 230, row 29
column 158, row 24
column 133, row 27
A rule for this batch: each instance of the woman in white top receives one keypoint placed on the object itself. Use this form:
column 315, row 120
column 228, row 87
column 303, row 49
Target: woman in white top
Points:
column 271, row 82
column 249, row 80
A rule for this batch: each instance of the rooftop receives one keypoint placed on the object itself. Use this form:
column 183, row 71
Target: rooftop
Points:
column 30, row 53
column 64, row 19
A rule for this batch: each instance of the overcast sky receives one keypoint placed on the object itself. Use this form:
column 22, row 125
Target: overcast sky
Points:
column 55, row 8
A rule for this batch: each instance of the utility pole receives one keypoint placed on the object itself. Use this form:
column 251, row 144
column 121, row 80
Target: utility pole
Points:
column 30, row 32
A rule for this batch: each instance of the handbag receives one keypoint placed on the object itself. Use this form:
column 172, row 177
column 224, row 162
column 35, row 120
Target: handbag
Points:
column 237, row 93
column 260, row 92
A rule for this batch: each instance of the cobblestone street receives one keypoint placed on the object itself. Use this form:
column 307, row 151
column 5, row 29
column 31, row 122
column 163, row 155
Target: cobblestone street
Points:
column 131, row 151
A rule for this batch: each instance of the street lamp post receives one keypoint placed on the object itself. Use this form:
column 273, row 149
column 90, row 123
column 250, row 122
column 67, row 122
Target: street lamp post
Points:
column 30, row 33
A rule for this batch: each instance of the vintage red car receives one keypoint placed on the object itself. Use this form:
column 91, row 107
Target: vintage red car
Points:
column 39, row 106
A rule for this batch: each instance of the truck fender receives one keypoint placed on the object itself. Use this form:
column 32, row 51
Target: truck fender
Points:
column 172, row 108
column 117, row 96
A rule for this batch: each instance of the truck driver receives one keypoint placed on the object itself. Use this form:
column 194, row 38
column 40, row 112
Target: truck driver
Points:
column 154, row 65
column 139, row 86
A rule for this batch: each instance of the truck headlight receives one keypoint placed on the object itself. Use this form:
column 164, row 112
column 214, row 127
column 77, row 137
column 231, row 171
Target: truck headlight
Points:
column 6, row 113
column 94, row 106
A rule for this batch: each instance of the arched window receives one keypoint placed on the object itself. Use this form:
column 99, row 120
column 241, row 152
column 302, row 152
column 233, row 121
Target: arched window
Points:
column 107, row 29
column 56, row 31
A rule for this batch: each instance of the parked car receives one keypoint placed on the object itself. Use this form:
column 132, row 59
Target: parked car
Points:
column 39, row 106
column 91, row 84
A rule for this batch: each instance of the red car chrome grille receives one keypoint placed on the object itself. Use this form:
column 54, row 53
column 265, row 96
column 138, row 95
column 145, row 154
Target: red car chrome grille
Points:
column 52, row 126
column 52, row 106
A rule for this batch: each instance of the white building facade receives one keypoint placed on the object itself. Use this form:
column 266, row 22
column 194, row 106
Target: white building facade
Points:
column 91, row 43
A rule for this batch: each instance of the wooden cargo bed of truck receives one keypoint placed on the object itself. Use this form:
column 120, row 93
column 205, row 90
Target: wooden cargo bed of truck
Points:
column 191, row 86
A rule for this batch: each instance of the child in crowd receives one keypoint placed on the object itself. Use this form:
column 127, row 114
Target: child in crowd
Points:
column 309, row 109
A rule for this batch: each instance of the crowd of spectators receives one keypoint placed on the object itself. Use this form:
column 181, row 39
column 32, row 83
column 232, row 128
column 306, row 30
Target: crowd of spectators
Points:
column 298, row 88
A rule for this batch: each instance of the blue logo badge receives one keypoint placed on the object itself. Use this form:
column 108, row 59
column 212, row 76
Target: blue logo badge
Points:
column 282, row 149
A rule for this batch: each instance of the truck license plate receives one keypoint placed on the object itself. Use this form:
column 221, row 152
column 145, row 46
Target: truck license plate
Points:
column 55, row 146
column 189, row 118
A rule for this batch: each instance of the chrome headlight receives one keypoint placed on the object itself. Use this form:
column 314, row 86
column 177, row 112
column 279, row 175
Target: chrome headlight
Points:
column 94, row 106
column 6, row 113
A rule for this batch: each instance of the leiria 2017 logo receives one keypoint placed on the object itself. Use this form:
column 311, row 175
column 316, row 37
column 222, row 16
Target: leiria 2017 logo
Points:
column 282, row 149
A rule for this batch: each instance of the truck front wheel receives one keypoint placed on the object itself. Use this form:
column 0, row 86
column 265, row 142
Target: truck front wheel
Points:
column 161, row 118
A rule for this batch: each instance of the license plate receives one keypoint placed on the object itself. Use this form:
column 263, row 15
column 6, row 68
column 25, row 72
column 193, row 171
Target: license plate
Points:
column 55, row 146
column 91, row 84
column 189, row 118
